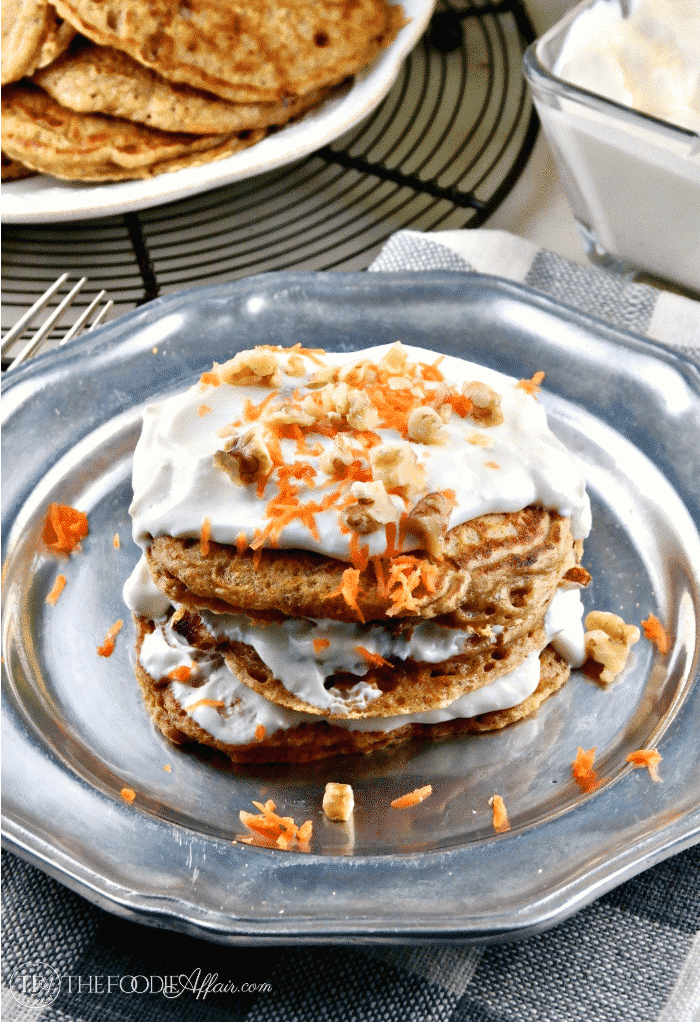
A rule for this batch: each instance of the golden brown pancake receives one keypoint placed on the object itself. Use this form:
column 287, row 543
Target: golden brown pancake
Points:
column 498, row 561
column 100, row 79
column 246, row 52
column 319, row 739
column 32, row 36
column 48, row 138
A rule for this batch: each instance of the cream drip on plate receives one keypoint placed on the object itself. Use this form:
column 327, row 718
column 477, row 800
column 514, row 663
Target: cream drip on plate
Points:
column 193, row 444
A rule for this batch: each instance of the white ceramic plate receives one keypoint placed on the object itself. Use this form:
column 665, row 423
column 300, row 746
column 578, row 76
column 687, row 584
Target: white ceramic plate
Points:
column 43, row 199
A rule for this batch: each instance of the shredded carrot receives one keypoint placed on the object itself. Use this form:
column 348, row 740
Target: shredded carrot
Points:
column 359, row 555
column 205, row 537
column 582, row 770
column 210, row 379
column 107, row 647
column 128, row 794
column 649, row 758
column 218, row 703
column 270, row 830
column 373, row 659
column 348, row 589
column 260, row 732
column 241, row 542
column 56, row 589
column 532, row 385
column 116, row 542
column 656, row 633
column 412, row 798
column 499, row 814
column 183, row 673
column 492, row 464
column 168, row 769
column 204, row 410
column 64, row 527
column 321, row 644
column 378, row 566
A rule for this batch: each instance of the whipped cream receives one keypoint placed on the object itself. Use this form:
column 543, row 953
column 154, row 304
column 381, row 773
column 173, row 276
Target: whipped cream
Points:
column 163, row 650
column 649, row 60
column 503, row 467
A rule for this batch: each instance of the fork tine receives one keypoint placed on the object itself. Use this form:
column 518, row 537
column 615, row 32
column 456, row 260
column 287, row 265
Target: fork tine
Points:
column 84, row 317
column 31, row 314
column 44, row 330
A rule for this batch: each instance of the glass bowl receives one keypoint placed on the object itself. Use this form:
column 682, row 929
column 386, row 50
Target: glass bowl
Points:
column 633, row 181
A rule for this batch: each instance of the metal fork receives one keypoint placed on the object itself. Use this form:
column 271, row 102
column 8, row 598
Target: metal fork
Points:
column 42, row 332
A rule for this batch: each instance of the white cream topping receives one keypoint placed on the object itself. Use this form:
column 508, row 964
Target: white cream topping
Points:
column 244, row 710
column 177, row 484
column 649, row 61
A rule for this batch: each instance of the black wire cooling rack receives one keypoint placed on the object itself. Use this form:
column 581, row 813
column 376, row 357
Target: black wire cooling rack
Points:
column 441, row 152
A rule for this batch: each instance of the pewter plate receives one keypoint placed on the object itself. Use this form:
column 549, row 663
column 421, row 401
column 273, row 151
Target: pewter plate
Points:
column 75, row 732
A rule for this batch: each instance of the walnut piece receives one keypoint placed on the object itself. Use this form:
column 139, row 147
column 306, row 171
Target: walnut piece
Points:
column 372, row 510
column 287, row 413
column 248, row 368
column 338, row 801
column 429, row 520
column 398, row 468
column 608, row 641
column 425, row 426
column 486, row 403
column 245, row 459
column 338, row 457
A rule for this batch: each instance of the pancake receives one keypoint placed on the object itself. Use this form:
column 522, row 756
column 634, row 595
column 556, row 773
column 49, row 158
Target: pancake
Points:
column 244, row 52
column 301, row 738
column 32, row 36
column 13, row 170
column 99, row 79
column 340, row 553
column 488, row 563
column 50, row 139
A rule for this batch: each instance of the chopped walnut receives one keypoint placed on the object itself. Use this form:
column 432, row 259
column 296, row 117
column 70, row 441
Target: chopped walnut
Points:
column 340, row 455
column 288, row 413
column 295, row 365
column 372, row 510
column 398, row 468
column 322, row 377
column 608, row 641
column 245, row 459
column 425, row 426
column 576, row 578
column 361, row 413
column 486, row 403
column 251, row 367
column 429, row 520
column 338, row 801
column 395, row 359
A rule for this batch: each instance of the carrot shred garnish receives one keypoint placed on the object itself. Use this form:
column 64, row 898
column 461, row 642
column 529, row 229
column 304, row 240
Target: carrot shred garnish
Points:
column 205, row 537
column 260, row 732
column 373, row 659
column 359, row 555
column 204, row 410
column 241, row 542
column 348, row 589
column 656, row 633
column 649, row 758
column 270, row 830
column 412, row 798
column 168, row 769
column 116, row 541
column 532, row 385
column 321, row 644
column 218, row 703
column 107, row 647
column 499, row 814
column 182, row 673
column 56, row 589
column 128, row 794
column 378, row 566
column 64, row 527
column 582, row 769
column 210, row 379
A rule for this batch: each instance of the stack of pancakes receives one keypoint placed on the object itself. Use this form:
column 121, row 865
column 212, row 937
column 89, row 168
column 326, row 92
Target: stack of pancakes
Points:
column 109, row 90
column 314, row 579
